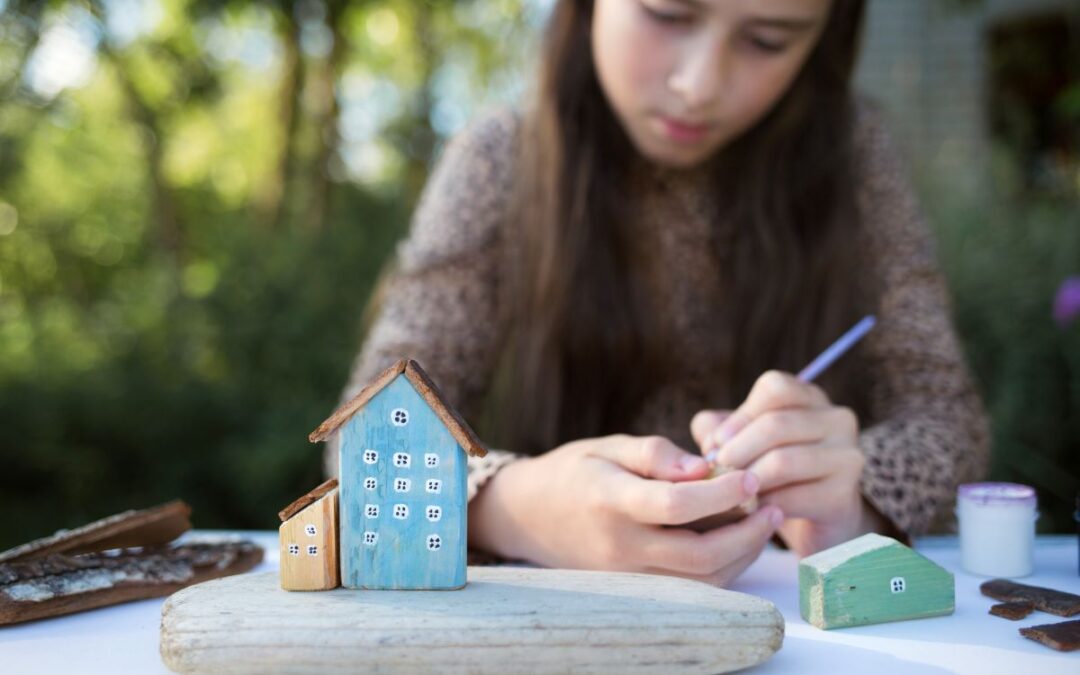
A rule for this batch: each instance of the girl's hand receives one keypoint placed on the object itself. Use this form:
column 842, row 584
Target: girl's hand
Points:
column 805, row 452
column 603, row 503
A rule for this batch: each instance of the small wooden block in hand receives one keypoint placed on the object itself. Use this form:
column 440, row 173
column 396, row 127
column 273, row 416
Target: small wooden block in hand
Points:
column 727, row 517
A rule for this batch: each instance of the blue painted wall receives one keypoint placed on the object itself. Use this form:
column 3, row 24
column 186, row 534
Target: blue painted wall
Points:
column 400, row 557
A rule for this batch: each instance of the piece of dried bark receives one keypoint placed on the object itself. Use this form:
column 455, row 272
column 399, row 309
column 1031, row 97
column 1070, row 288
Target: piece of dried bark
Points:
column 63, row 584
column 1044, row 599
column 1063, row 636
column 1013, row 611
column 146, row 527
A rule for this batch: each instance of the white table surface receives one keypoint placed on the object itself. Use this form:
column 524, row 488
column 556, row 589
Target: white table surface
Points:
column 124, row 638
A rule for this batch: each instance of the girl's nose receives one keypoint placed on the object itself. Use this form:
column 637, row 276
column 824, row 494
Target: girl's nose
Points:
column 699, row 76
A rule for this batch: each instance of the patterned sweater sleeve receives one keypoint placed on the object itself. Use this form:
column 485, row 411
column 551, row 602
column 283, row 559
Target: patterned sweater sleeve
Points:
column 438, row 301
column 927, row 430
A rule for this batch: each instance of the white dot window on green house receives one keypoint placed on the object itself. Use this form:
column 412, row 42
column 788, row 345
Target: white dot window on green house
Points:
column 898, row 585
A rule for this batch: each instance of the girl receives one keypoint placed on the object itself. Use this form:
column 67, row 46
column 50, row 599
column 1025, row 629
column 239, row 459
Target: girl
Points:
column 617, row 278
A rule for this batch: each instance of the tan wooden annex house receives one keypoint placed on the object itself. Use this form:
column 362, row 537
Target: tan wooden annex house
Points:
column 308, row 538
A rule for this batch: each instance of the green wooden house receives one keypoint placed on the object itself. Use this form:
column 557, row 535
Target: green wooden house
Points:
column 872, row 579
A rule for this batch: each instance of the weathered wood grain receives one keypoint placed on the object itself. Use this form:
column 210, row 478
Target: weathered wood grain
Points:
column 62, row 584
column 506, row 619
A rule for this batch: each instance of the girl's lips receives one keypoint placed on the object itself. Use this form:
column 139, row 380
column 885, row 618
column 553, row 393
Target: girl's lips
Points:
column 683, row 132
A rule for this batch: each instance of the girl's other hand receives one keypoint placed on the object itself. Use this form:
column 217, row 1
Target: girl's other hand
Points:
column 804, row 450
column 604, row 503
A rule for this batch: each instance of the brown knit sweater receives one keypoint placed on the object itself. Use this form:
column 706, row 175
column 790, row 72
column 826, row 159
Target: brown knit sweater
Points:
column 926, row 431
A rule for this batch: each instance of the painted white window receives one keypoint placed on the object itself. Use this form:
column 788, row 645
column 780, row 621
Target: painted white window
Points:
column 401, row 511
column 434, row 513
column 370, row 538
column 402, row 485
column 399, row 417
column 372, row 511
column 311, row 531
column 433, row 485
column 434, row 542
column 431, row 460
column 313, row 550
column 294, row 549
column 370, row 457
column 898, row 585
column 370, row 483
column 402, row 459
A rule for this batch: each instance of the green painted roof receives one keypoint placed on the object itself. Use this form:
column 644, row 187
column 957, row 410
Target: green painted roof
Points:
column 823, row 561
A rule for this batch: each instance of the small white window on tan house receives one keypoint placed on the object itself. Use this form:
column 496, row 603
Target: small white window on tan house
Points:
column 371, row 482
column 434, row 513
column 433, row 485
column 402, row 484
column 401, row 511
column 313, row 550
column 294, row 549
column 371, row 511
column 370, row 457
column 431, row 460
column 402, row 460
column 434, row 542
column 399, row 417
column 310, row 530
column 370, row 538
column 898, row 585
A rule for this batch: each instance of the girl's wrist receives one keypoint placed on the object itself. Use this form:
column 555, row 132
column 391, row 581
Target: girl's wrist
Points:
column 490, row 513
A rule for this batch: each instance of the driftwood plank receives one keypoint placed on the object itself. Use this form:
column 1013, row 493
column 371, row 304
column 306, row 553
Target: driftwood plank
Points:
column 506, row 619
column 63, row 584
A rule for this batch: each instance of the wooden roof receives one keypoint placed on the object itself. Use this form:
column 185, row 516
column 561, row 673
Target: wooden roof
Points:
column 307, row 500
column 424, row 386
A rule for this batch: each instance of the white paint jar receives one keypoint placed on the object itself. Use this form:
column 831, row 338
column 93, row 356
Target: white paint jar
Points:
column 997, row 528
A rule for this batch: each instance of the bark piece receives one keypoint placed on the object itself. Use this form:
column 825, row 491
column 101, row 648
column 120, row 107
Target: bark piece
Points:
column 63, row 584
column 1013, row 611
column 1044, row 599
column 146, row 527
column 1063, row 636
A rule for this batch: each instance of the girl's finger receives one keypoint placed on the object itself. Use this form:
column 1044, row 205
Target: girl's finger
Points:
column 816, row 500
column 662, row 503
column 704, row 424
column 770, row 430
column 795, row 464
column 774, row 390
column 652, row 457
column 701, row 555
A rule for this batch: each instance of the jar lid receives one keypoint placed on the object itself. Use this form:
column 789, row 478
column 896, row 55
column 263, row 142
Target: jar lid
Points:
column 997, row 494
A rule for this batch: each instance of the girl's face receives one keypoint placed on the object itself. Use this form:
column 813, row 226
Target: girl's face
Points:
column 685, row 77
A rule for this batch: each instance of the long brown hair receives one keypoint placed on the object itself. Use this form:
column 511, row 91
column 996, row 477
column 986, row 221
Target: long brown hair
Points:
column 582, row 353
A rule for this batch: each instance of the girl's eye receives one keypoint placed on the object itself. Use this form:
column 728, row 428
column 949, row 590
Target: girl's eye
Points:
column 665, row 17
column 768, row 46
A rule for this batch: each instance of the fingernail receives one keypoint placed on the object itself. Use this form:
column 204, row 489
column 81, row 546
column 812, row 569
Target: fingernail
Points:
column 691, row 463
column 776, row 518
column 750, row 483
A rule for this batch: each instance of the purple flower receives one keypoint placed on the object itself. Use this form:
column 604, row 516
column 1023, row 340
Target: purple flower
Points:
column 1067, row 302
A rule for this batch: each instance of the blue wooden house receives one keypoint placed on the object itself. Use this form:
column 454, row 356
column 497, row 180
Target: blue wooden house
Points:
column 403, row 501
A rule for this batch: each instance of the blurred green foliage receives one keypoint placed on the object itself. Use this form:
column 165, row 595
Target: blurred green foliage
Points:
column 196, row 198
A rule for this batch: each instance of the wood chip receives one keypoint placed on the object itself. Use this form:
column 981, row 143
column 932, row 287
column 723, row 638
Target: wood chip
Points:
column 1063, row 636
column 63, row 584
column 1044, row 599
column 148, row 527
column 1013, row 611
